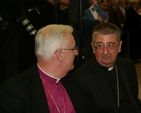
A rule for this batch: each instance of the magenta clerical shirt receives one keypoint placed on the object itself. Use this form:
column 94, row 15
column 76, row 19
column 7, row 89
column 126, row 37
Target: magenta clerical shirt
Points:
column 56, row 95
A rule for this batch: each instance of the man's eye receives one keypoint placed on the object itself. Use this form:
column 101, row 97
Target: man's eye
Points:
column 100, row 46
column 111, row 45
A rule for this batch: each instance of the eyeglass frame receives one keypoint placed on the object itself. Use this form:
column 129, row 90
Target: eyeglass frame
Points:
column 76, row 48
column 107, row 46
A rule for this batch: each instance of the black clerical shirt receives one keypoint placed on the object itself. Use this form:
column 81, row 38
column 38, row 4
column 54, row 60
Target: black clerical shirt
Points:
column 125, row 105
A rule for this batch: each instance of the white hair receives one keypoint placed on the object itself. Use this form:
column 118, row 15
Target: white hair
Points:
column 50, row 38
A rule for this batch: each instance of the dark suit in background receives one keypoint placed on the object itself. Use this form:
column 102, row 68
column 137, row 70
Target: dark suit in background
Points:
column 124, row 31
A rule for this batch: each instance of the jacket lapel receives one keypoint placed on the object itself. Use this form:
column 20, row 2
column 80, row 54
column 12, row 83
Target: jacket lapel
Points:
column 37, row 93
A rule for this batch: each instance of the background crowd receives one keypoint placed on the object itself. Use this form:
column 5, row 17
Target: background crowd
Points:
column 17, row 44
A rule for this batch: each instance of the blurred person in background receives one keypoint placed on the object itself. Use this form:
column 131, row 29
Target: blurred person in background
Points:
column 123, row 26
column 133, row 20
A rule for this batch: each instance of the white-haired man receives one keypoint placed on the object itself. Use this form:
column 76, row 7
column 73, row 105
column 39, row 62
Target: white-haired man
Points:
column 45, row 88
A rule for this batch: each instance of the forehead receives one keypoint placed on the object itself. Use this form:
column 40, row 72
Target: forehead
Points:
column 105, row 38
column 70, row 38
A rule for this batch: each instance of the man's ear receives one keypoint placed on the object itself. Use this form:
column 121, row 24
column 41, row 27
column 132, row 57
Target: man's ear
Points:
column 120, row 45
column 59, row 55
column 92, row 44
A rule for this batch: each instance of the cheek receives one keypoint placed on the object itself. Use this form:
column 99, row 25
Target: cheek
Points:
column 114, row 54
column 98, row 55
column 70, row 62
column 70, row 58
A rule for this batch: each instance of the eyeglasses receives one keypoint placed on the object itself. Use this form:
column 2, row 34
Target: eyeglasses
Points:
column 76, row 48
column 110, row 46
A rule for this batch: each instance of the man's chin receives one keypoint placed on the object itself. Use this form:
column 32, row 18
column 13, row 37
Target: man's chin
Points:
column 107, row 64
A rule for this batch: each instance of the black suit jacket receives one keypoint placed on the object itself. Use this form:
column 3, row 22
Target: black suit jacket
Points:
column 24, row 93
column 97, row 91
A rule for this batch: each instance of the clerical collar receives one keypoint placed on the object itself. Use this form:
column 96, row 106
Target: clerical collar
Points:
column 57, row 79
column 110, row 68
